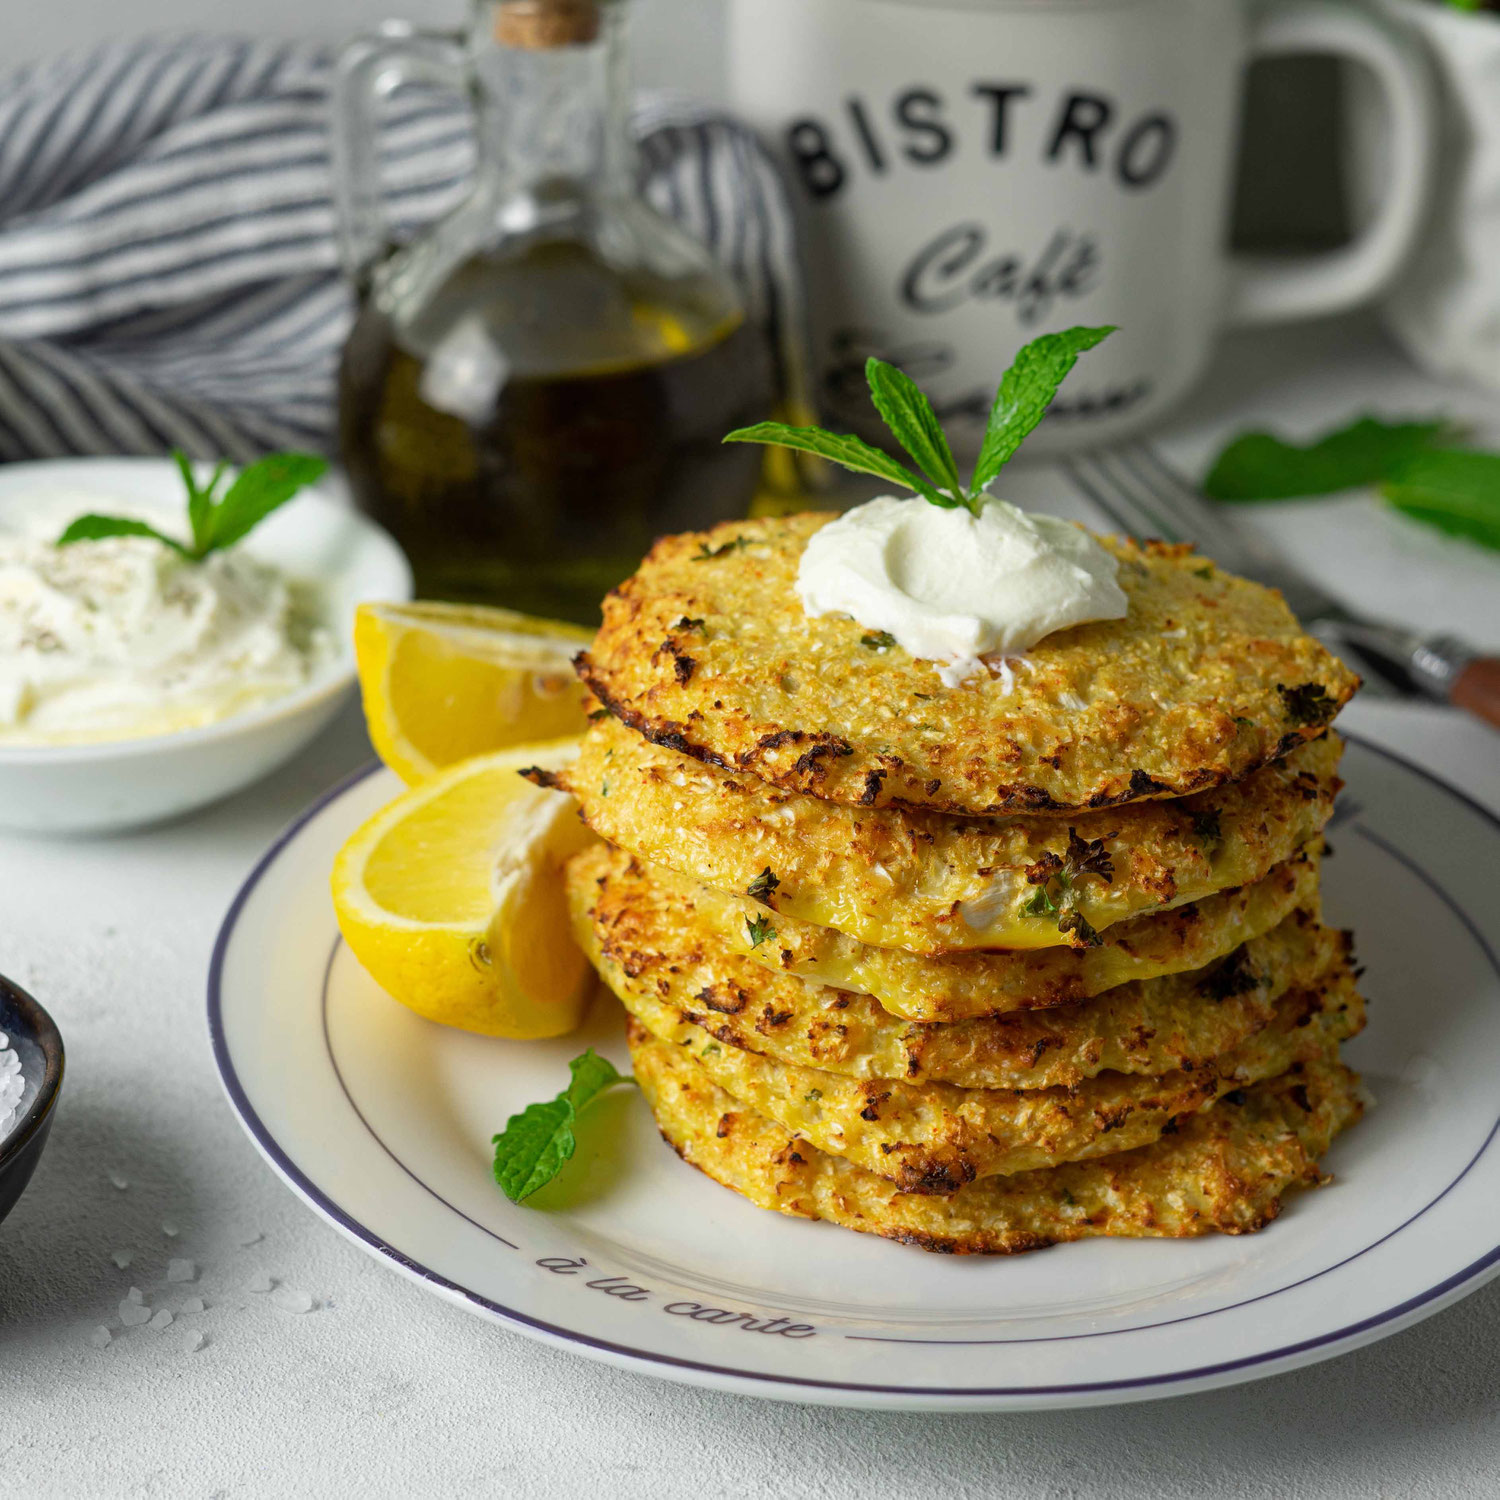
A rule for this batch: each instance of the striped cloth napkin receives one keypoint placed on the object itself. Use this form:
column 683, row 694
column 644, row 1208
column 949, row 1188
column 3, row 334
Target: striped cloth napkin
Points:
column 168, row 273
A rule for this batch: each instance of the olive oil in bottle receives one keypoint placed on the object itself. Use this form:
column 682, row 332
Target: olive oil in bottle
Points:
column 540, row 386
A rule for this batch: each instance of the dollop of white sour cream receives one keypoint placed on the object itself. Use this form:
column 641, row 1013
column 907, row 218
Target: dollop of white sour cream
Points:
column 954, row 587
column 123, row 638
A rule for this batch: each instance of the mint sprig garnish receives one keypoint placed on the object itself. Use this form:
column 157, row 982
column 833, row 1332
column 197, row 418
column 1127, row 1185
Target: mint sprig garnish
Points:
column 215, row 522
column 540, row 1141
column 1025, row 393
column 1416, row 465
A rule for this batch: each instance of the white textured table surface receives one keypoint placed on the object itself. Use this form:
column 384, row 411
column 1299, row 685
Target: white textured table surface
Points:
column 384, row 1390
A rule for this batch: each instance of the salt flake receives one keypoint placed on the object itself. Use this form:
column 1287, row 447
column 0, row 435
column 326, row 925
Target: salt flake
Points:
column 133, row 1314
column 100, row 1337
column 120, row 1181
column 260, row 1282
column 181, row 1270
column 134, row 1295
column 169, row 1228
column 192, row 1341
column 160, row 1319
column 288, row 1299
column 193, row 1305
column 122, row 1258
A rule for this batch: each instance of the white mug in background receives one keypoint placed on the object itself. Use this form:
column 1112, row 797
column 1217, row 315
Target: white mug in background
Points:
column 977, row 172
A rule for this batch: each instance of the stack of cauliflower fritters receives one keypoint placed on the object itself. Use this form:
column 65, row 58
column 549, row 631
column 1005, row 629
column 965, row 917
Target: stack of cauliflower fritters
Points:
column 984, row 967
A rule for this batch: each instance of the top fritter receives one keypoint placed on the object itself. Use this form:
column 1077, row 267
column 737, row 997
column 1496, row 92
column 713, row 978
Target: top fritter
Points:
column 707, row 650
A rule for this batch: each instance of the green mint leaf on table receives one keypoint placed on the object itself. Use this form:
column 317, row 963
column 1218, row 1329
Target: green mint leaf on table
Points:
column 909, row 415
column 1455, row 490
column 215, row 523
column 1261, row 466
column 1025, row 393
column 97, row 528
column 537, row 1143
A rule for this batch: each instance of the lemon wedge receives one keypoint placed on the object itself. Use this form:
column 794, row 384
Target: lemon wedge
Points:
column 452, row 897
column 442, row 682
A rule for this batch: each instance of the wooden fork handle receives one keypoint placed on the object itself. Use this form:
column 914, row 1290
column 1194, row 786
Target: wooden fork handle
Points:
column 1477, row 689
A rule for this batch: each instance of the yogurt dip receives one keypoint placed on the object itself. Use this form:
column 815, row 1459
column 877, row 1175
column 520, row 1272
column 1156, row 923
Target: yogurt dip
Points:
column 124, row 638
column 954, row 587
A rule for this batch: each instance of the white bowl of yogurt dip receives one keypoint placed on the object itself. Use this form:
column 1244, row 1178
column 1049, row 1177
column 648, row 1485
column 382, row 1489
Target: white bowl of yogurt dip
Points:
column 136, row 685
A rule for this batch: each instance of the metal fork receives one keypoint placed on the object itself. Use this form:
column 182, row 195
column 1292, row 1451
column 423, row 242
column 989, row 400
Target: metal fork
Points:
column 1145, row 496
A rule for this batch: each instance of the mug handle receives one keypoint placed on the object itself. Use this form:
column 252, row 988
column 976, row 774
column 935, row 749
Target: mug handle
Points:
column 370, row 69
column 1268, row 289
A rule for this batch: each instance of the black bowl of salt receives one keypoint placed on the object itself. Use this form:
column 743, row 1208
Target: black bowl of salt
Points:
column 31, row 1071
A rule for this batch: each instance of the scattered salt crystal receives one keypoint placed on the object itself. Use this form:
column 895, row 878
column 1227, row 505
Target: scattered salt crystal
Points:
column 160, row 1319
column 100, row 1337
column 122, row 1258
column 133, row 1314
column 181, row 1270
column 119, row 1179
column 260, row 1282
column 193, row 1305
column 169, row 1228
column 288, row 1299
column 192, row 1341
column 134, row 1295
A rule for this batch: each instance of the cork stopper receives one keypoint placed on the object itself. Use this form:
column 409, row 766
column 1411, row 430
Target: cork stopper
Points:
column 541, row 24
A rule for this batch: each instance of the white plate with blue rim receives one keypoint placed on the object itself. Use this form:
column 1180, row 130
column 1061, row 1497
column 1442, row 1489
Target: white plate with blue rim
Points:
column 382, row 1123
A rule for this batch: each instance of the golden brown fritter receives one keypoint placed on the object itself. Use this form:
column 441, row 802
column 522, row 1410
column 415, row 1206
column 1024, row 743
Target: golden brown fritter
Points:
column 962, row 986
column 935, row 1138
column 1225, row 1170
column 931, row 883
column 657, row 957
column 707, row 650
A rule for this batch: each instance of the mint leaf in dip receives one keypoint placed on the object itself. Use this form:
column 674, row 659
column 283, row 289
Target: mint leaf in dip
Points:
column 214, row 523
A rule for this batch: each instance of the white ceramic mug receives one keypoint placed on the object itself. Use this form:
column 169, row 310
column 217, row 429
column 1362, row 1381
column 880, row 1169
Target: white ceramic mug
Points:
column 977, row 172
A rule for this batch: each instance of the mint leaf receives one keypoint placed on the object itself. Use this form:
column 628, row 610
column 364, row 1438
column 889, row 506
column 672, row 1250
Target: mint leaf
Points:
column 200, row 501
column 848, row 452
column 215, row 524
column 1261, row 466
column 1452, row 489
column 910, row 417
column 97, row 528
column 1025, row 393
column 537, row 1143
column 256, row 492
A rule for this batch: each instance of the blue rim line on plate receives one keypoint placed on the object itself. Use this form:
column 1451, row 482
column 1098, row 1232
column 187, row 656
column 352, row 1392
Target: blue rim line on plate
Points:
column 314, row 1196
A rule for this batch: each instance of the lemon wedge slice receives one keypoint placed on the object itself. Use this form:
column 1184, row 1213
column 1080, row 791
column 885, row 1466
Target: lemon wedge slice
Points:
column 452, row 897
column 442, row 682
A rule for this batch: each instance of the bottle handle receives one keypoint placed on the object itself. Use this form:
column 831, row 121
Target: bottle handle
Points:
column 369, row 70
column 1271, row 289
